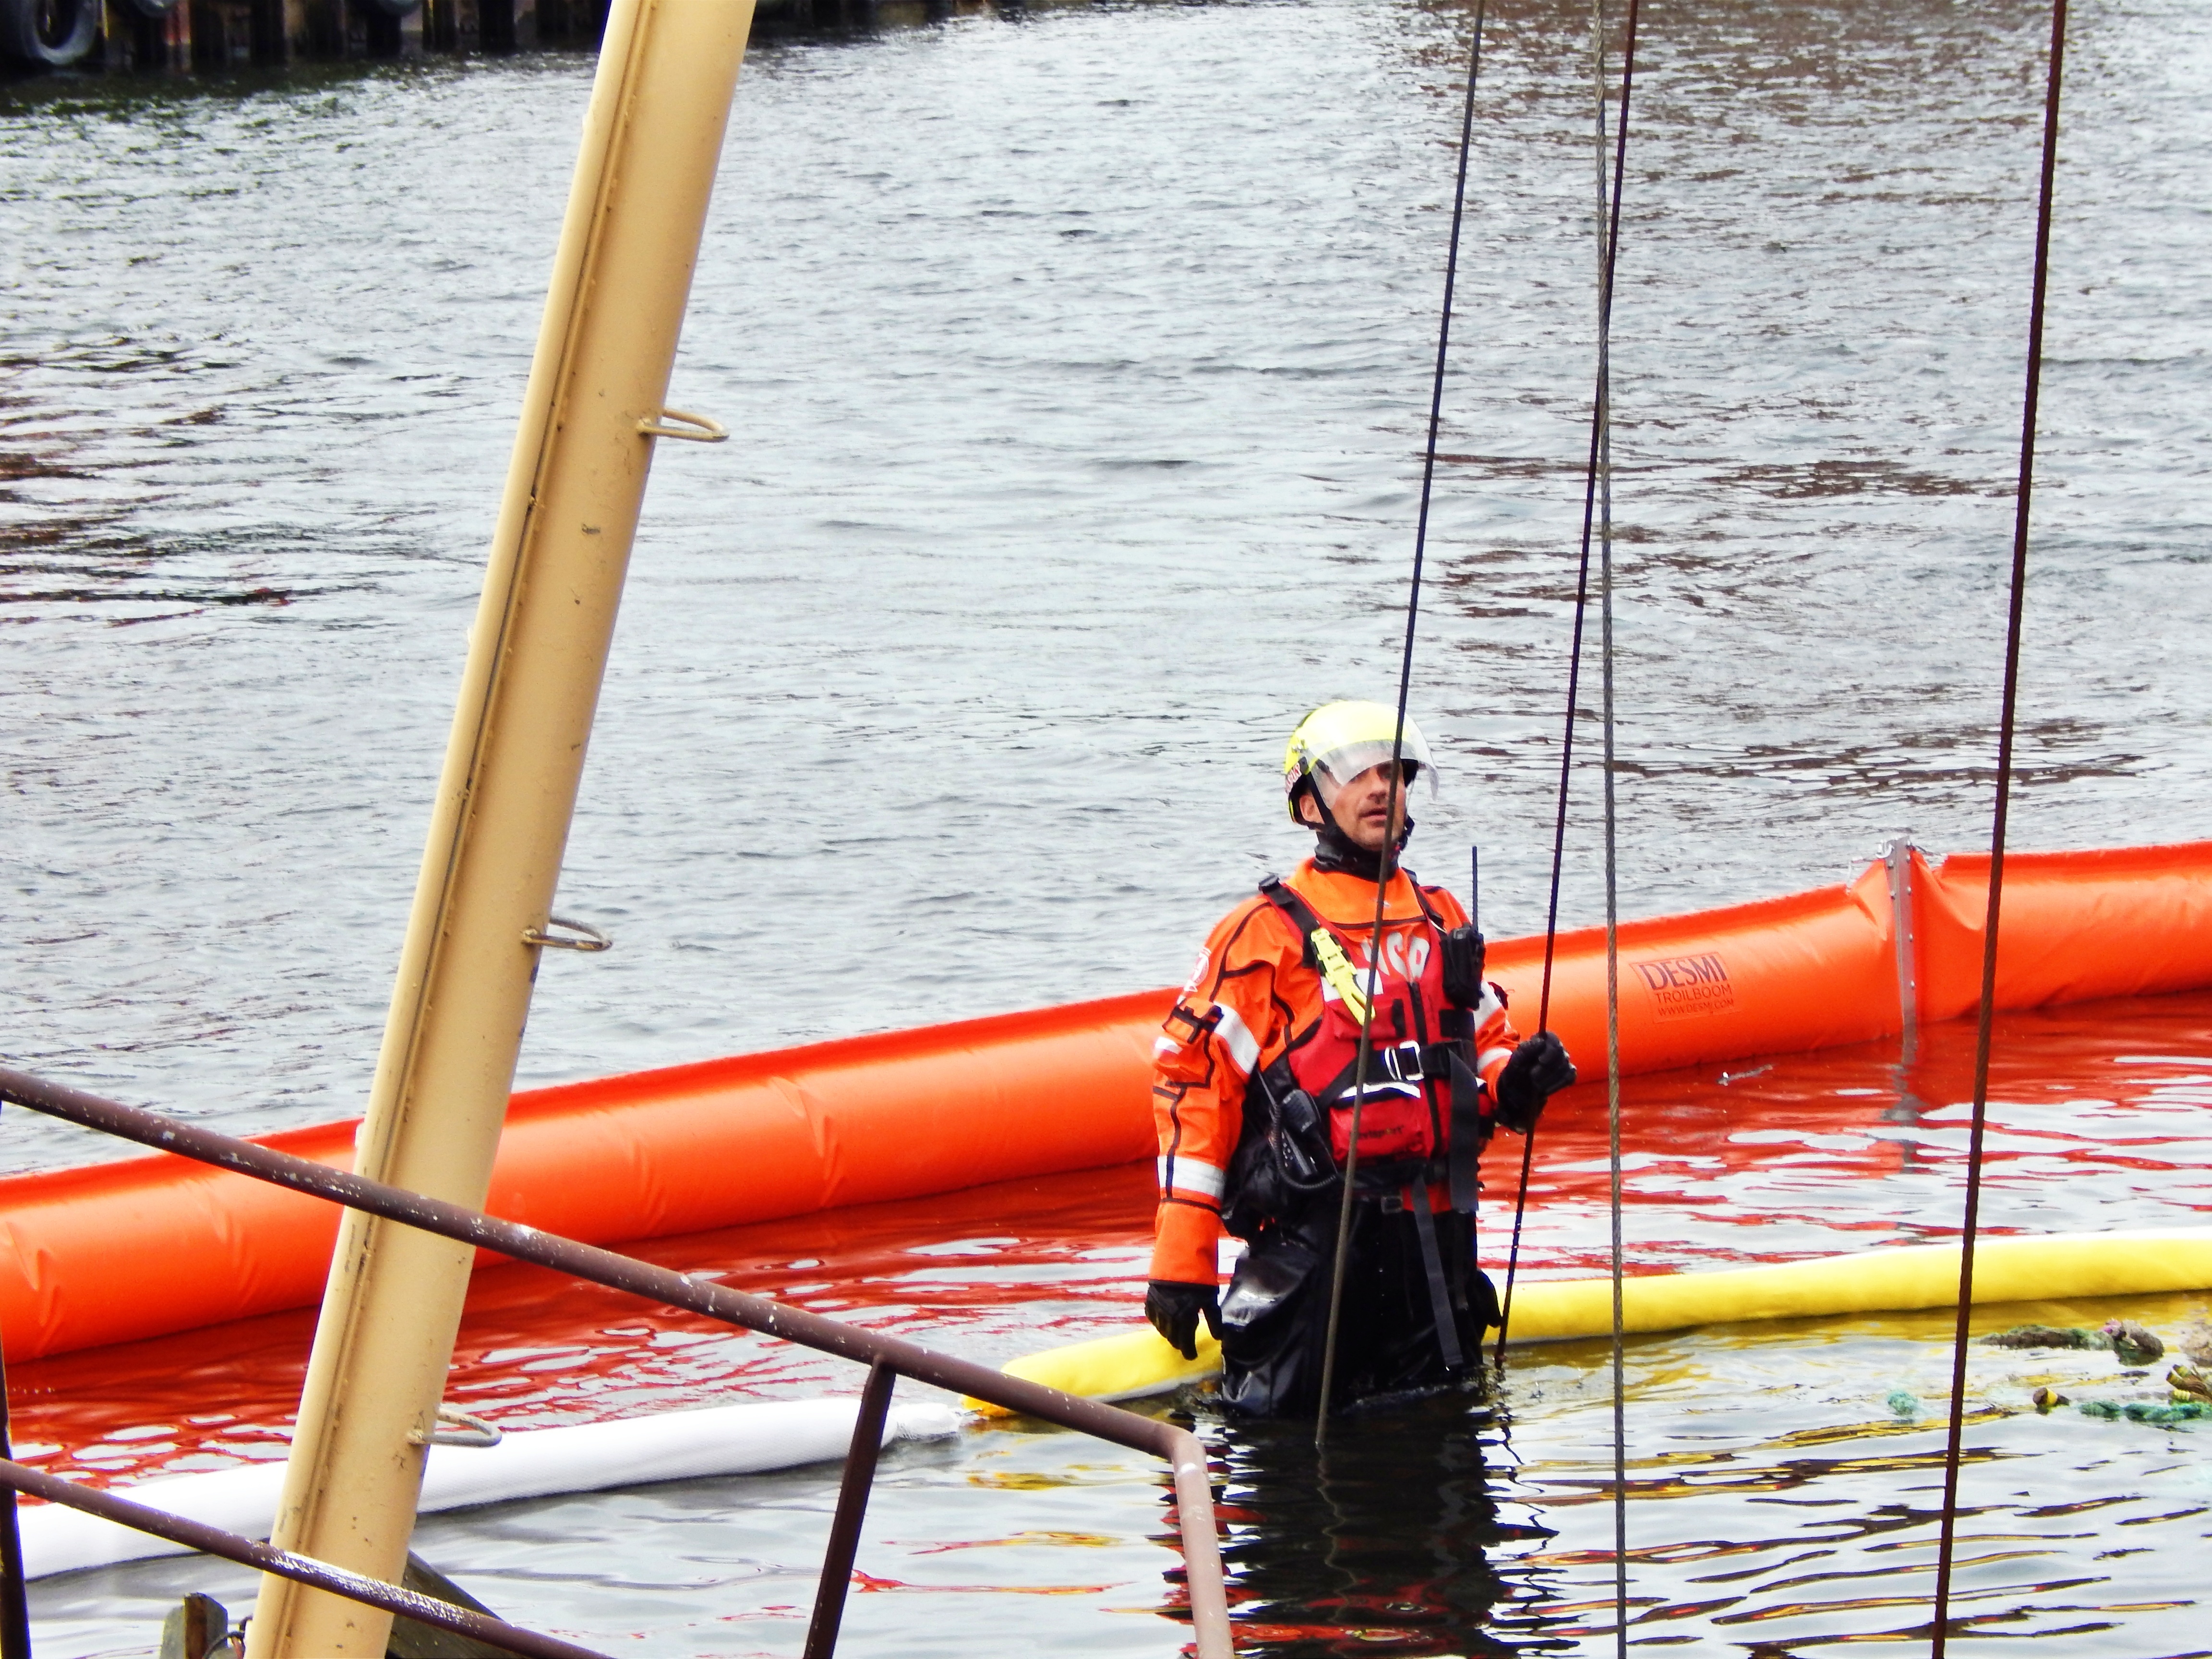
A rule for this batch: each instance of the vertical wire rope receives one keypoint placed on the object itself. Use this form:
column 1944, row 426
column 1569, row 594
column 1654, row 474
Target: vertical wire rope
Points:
column 1603, row 423
column 1386, row 864
column 2022, row 502
column 1613, row 1076
column 1609, row 238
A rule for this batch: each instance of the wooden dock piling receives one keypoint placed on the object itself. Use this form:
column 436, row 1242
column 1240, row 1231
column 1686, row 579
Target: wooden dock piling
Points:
column 137, row 36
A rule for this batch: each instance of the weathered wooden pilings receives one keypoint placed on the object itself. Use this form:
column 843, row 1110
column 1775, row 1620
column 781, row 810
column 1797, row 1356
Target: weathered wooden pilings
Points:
column 208, row 34
column 213, row 34
column 133, row 34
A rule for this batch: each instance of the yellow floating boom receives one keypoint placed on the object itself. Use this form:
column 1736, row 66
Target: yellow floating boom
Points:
column 2055, row 1268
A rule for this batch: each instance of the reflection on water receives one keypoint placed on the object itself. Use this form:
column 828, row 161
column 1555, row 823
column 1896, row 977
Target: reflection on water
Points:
column 1781, row 1500
column 1779, row 1507
column 1393, row 1538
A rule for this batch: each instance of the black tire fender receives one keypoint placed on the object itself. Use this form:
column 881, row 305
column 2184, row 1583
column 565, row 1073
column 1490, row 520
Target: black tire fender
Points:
column 49, row 33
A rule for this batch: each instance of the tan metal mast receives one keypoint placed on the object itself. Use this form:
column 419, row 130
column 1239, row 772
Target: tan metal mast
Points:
column 652, row 137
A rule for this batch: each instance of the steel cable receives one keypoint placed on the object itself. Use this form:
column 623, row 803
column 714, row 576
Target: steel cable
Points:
column 1388, row 861
column 2031, row 396
column 1603, row 424
column 1609, row 241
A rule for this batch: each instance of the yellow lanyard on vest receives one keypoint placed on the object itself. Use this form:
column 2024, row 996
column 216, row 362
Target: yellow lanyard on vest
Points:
column 1342, row 977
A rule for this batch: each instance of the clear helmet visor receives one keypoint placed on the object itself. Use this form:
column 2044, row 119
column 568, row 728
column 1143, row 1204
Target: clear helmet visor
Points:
column 1348, row 762
column 1339, row 743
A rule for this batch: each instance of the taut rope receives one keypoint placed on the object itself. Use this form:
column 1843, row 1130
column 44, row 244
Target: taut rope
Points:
column 2052, row 81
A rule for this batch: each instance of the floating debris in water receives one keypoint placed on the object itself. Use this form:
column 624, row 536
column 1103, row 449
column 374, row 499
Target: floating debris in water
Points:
column 2188, row 1383
column 2196, row 1340
column 2051, row 1336
column 2129, row 1341
column 2047, row 1399
column 2132, row 1344
column 1903, row 1402
column 2142, row 1410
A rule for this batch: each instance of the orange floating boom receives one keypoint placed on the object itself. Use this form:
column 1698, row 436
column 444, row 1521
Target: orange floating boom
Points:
column 123, row 1251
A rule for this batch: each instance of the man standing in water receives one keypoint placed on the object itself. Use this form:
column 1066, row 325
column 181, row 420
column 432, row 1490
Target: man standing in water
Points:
column 1253, row 1091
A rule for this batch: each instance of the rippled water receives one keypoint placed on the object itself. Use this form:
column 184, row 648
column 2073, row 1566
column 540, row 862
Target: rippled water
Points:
column 1078, row 360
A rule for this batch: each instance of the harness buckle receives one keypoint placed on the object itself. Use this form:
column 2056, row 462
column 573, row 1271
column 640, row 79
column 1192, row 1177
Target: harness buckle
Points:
column 1401, row 1062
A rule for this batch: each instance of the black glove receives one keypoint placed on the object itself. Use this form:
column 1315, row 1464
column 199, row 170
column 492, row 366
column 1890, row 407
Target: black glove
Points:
column 1463, row 954
column 1538, row 1069
column 1174, row 1309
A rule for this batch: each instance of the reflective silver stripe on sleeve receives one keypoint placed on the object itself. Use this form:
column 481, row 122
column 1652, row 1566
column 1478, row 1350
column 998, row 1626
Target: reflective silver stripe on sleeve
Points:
column 1243, row 1048
column 1188, row 1174
column 1501, row 1055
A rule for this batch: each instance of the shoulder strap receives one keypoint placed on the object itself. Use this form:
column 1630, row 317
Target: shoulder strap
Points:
column 1321, row 950
column 1278, row 893
column 1421, row 898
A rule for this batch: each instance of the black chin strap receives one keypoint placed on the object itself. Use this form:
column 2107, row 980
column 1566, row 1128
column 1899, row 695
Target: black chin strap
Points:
column 1336, row 850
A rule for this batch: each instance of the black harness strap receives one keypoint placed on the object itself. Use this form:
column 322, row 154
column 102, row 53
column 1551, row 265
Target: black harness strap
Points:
column 1464, row 1149
column 1421, row 1200
column 1278, row 893
column 1464, row 1152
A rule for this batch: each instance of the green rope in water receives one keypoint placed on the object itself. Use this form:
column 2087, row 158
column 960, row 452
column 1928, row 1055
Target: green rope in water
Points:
column 2142, row 1410
column 2189, row 1398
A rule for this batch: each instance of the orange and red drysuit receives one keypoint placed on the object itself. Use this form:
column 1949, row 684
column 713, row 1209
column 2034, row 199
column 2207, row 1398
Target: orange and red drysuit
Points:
column 1259, row 1002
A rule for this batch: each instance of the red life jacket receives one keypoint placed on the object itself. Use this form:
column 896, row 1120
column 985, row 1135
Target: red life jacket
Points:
column 1421, row 1097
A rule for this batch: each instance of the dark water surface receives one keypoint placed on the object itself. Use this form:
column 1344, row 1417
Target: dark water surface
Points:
column 1077, row 363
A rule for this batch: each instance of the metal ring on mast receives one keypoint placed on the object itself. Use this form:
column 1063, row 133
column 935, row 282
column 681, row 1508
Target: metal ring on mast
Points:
column 695, row 429
column 581, row 936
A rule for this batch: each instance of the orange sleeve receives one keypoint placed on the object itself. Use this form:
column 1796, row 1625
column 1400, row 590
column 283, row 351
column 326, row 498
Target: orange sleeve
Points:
column 1226, row 1024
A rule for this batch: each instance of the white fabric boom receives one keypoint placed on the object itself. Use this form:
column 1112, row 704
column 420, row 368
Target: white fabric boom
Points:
column 743, row 1439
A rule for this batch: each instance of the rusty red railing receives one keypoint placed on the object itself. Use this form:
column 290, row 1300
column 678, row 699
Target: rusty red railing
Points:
column 887, row 1359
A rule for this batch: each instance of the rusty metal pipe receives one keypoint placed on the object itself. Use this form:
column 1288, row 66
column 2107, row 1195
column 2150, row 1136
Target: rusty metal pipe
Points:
column 1178, row 1447
column 852, row 1509
column 301, row 1569
column 15, row 1597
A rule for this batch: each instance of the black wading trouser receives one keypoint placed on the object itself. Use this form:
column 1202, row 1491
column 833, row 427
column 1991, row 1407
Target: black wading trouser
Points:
column 1275, row 1313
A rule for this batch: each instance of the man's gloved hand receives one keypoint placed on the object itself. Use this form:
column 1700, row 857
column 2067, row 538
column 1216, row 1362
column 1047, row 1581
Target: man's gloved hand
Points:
column 1174, row 1309
column 1538, row 1069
